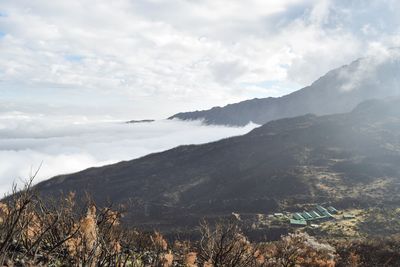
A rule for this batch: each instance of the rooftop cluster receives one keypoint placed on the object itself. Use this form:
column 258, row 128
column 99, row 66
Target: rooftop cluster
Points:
column 318, row 214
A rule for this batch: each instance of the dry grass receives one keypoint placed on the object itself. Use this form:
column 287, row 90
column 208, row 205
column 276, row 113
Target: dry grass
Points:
column 38, row 233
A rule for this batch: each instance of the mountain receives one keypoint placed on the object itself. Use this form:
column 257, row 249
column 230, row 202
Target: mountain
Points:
column 343, row 159
column 339, row 91
column 139, row 121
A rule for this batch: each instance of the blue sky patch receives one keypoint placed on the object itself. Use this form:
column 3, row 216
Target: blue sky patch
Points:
column 74, row 58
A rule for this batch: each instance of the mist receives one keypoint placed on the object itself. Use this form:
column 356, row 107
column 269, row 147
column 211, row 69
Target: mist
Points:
column 61, row 145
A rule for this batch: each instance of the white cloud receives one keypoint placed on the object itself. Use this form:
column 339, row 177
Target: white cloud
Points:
column 377, row 63
column 69, row 144
column 181, row 55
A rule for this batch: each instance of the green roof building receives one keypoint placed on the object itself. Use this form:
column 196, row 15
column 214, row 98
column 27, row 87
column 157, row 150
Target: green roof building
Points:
column 332, row 210
column 349, row 216
column 300, row 223
column 314, row 214
column 297, row 216
column 323, row 212
column 319, row 214
column 321, row 209
column 306, row 215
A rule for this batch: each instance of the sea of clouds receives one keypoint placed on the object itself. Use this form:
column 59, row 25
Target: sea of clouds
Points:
column 68, row 144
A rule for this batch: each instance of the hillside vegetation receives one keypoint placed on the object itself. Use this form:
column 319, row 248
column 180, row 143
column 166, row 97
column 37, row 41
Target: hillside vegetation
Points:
column 345, row 160
column 33, row 233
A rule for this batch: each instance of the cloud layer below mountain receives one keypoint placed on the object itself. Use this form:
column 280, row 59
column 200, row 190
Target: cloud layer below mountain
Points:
column 71, row 144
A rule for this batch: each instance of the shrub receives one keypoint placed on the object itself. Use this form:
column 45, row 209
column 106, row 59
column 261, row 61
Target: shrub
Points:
column 34, row 232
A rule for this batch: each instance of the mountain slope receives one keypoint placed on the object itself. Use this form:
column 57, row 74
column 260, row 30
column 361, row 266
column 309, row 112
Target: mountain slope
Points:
column 345, row 158
column 338, row 91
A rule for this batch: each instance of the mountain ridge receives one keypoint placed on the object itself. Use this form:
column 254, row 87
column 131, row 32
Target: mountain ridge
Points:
column 338, row 91
column 310, row 158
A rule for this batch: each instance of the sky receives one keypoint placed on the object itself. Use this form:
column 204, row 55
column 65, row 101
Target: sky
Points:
column 72, row 71
column 152, row 58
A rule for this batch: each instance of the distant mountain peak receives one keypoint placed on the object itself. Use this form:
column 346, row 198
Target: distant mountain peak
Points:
column 340, row 90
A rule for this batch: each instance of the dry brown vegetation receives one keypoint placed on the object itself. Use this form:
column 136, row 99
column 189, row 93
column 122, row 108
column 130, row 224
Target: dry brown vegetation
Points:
column 38, row 233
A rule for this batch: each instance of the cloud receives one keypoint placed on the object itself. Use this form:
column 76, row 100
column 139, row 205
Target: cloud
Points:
column 69, row 144
column 181, row 55
column 377, row 70
column 228, row 72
